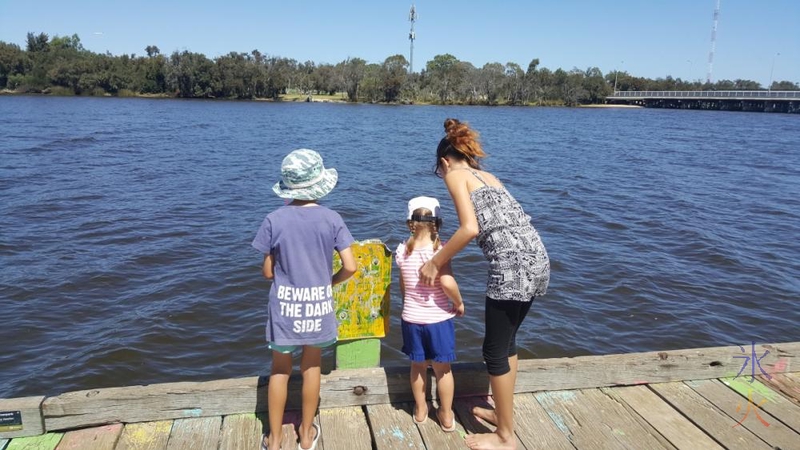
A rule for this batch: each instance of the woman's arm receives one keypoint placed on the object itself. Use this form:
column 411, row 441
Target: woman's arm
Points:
column 450, row 288
column 456, row 183
column 268, row 268
column 349, row 267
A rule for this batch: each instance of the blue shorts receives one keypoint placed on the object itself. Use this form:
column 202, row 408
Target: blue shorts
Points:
column 434, row 341
column 290, row 348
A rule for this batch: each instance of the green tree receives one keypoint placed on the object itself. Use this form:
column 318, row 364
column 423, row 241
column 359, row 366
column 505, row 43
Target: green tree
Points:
column 12, row 62
column 594, row 85
column 445, row 74
column 393, row 75
column 152, row 51
column 352, row 72
column 37, row 42
column 784, row 86
column 492, row 82
column 189, row 74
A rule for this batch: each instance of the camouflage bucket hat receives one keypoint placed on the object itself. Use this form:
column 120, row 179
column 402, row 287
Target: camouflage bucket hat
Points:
column 303, row 177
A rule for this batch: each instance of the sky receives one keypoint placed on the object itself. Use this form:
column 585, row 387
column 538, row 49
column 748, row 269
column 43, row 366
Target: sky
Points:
column 755, row 40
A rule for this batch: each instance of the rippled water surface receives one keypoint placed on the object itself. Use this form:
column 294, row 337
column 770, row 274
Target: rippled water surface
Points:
column 125, row 228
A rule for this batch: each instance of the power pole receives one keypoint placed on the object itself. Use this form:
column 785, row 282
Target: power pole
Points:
column 713, row 43
column 412, row 17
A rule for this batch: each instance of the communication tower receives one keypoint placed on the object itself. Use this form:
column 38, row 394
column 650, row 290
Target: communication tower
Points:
column 412, row 17
column 713, row 42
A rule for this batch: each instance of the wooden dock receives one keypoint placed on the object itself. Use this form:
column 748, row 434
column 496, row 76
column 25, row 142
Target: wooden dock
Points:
column 710, row 398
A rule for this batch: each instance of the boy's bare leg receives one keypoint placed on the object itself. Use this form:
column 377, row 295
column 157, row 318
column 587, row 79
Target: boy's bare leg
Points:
column 277, row 393
column 445, row 387
column 503, row 437
column 419, row 374
column 489, row 414
column 310, row 368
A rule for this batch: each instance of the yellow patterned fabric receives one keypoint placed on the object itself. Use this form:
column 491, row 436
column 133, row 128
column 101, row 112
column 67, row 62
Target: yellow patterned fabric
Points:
column 362, row 303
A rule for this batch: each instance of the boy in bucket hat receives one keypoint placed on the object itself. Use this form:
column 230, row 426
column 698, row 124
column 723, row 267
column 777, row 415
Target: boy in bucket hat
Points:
column 298, row 241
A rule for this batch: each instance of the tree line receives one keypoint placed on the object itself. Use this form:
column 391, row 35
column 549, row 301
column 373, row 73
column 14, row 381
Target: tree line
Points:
column 61, row 65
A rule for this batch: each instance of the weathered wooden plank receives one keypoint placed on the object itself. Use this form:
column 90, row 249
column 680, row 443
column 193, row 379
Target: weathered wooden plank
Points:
column 344, row 428
column 357, row 387
column 594, row 420
column 195, row 434
column 535, row 428
column 434, row 437
column 241, row 431
column 151, row 403
column 679, row 431
column 392, row 427
column 747, row 412
column 639, row 419
column 776, row 404
column 21, row 417
column 704, row 414
column 641, row 368
column 787, row 384
column 97, row 438
column 145, row 436
column 47, row 441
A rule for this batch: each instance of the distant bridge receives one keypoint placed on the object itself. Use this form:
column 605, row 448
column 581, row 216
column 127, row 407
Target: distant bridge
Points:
column 767, row 101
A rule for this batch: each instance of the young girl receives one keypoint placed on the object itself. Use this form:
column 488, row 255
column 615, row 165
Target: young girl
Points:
column 298, row 241
column 519, row 268
column 427, row 322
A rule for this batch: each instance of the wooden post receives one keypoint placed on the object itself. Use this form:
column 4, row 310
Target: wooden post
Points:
column 21, row 417
column 362, row 306
column 358, row 354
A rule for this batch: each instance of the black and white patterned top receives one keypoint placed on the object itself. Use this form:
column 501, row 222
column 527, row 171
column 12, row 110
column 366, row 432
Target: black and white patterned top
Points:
column 519, row 268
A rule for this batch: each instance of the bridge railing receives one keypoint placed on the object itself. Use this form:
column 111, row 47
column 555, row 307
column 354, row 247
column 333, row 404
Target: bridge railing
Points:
column 782, row 95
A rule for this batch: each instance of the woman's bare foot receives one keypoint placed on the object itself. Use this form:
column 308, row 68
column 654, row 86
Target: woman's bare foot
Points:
column 485, row 414
column 490, row 441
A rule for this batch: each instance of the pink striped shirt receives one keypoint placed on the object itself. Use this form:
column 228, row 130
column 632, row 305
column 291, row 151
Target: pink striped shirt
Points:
column 422, row 304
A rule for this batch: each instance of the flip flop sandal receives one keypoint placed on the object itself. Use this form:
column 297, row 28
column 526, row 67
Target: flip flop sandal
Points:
column 264, row 438
column 314, row 442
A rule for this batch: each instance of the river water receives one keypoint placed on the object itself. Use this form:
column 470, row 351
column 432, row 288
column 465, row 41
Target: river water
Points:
column 125, row 228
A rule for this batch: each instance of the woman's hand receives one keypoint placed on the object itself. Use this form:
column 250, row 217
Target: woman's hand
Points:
column 428, row 273
column 459, row 309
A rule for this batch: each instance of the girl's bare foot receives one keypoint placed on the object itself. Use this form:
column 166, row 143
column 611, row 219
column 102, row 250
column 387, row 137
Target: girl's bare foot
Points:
column 419, row 415
column 270, row 442
column 490, row 441
column 485, row 414
column 446, row 425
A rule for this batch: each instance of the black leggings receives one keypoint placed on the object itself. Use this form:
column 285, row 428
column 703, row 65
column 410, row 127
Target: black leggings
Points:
column 503, row 318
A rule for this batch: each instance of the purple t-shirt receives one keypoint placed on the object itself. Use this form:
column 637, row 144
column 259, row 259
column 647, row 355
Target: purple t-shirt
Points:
column 302, row 240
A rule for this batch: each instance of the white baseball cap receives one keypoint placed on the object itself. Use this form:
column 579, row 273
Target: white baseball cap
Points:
column 429, row 203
